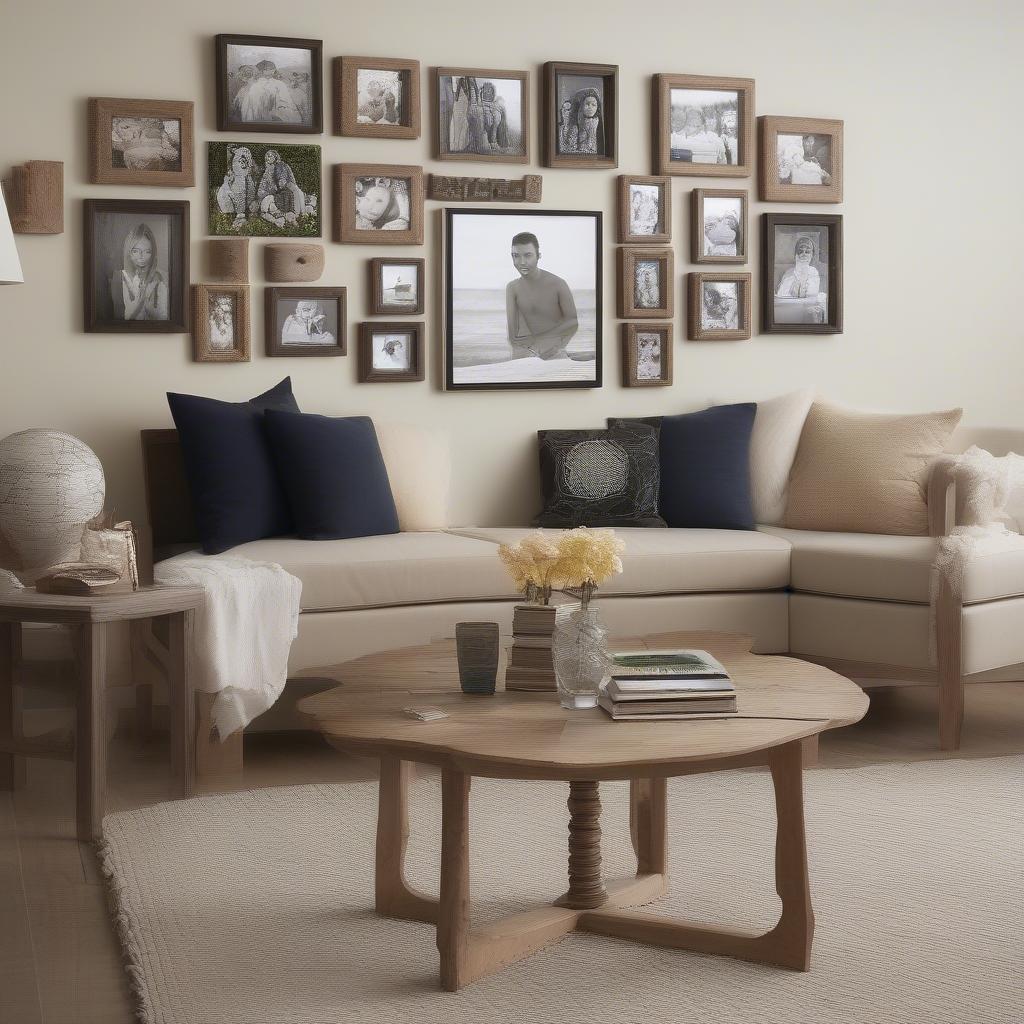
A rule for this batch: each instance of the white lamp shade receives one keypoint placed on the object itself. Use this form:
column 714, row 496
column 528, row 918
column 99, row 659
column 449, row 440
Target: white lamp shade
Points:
column 10, row 265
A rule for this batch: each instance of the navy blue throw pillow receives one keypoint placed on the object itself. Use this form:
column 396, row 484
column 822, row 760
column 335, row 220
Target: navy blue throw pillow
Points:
column 334, row 475
column 234, row 487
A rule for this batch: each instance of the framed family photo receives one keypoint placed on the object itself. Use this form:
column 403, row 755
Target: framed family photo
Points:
column 220, row 323
column 141, row 142
column 718, row 225
column 581, row 115
column 482, row 115
column 396, row 286
column 522, row 299
column 269, row 84
column 305, row 321
column 136, row 262
column 646, row 355
column 645, row 284
column 377, row 97
column 645, row 209
column 378, row 204
column 390, row 352
column 703, row 125
column 719, row 307
column 801, row 160
column 802, row 273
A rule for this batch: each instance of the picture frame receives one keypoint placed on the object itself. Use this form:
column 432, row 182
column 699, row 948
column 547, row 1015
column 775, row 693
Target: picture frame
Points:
column 718, row 306
column 306, row 321
column 407, row 292
column 141, row 142
column 801, row 160
column 645, row 283
column 712, row 120
column 489, row 343
column 136, row 266
column 637, row 194
column 382, row 344
column 500, row 130
column 719, row 226
column 269, row 84
column 377, row 97
column 790, row 242
column 372, row 206
column 642, row 367
column 581, row 108
column 220, row 323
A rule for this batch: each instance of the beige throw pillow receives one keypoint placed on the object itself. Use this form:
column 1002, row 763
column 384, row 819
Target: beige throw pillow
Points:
column 863, row 472
column 419, row 464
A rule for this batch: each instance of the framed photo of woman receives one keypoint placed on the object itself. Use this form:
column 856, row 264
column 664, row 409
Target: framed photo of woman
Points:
column 481, row 114
column 645, row 283
column 801, row 160
column 718, row 225
column 645, row 209
column 719, row 307
column 580, row 115
column 378, row 204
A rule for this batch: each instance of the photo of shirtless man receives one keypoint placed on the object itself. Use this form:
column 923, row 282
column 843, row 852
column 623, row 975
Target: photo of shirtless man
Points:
column 541, row 311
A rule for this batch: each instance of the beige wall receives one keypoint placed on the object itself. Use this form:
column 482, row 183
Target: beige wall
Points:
column 930, row 93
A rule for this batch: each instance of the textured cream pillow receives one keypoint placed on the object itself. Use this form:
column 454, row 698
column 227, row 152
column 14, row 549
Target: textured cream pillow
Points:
column 419, row 465
column 864, row 472
column 773, row 443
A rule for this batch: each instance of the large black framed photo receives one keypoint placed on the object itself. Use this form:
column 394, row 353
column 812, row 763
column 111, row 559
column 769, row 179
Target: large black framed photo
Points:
column 522, row 299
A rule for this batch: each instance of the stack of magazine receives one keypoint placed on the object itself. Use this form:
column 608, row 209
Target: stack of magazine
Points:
column 668, row 684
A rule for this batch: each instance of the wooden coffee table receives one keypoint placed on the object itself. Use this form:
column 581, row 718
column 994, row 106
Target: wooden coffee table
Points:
column 783, row 704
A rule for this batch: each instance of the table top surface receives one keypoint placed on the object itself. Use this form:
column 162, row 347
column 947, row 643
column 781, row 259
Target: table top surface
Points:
column 529, row 735
column 144, row 603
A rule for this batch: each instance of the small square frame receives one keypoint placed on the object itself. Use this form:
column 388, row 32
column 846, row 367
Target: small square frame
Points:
column 103, row 110
column 695, row 285
column 202, row 351
column 630, row 352
column 436, row 74
column 628, row 258
column 610, row 114
column 697, row 197
column 346, row 97
column 345, row 229
column 622, row 192
column 774, row 191
column 274, row 346
column 378, row 307
column 368, row 374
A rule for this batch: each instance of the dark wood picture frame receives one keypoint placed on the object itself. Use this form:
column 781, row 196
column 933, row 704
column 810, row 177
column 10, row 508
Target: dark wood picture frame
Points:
column 833, row 320
column 625, row 183
column 661, row 128
column 441, row 152
column 103, row 110
column 695, row 303
column 378, row 307
column 775, row 191
column 368, row 374
column 346, row 97
column 609, row 74
column 225, row 123
column 631, row 351
column 202, row 350
column 177, row 321
column 697, row 198
column 274, row 345
column 629, row 256
column 345, row 226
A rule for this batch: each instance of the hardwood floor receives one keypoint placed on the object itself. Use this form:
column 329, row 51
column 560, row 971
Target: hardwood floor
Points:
column 59, row 960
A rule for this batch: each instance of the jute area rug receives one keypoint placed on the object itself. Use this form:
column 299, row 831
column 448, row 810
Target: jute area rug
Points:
column 257, row 907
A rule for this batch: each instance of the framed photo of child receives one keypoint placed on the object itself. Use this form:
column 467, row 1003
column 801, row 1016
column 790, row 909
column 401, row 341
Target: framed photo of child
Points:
column 220, row 323
column 396, row 286
column 645, row 209
column 580, row 115
column 481, row 115
column 305, row 321
column 801, row 160
column 646, row 355
column 141, row 142
column 378, row 204
column 719, row 307
column 645, row 283
column 377, row 97
column 390, row 352
column 718, row 225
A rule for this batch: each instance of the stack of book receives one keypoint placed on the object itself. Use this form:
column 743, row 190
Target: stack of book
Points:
column 529, row 658
column 668, row 684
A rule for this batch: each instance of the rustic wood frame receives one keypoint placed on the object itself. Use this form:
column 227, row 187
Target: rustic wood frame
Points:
column 630, row 346
column 697, row 197
column 201, row 350
column 377, row 305
column 345, row 229
column 834, row 223
column 316, row 48
column 695, row 284
column 102, row 111
column 551, row 156
column 417, row 363
column 346, row 97
column 450, row 188
column 774, row 191
column 622, row 194
column 436, row 74
column 274, row 347
column 628, row 257
column 660, row 134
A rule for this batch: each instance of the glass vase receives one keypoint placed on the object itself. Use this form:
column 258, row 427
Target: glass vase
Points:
column 580, row 655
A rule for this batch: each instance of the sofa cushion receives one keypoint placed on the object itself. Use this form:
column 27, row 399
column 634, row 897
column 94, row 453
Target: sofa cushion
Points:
column 419, row 464
column 773, row 445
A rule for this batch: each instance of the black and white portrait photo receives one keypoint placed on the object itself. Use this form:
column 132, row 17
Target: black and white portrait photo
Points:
column 800, row 274
column 645, row 213
column 704, row 126
column 646, row 285
column 379, row 96
column 720, row 306
column 481, row 116
column 221, row 321
column 381, row 204
column 145, row 143
column 723, row 226
column 804, row 159
column 523, row 299
column 648, row 355
column 581, row 115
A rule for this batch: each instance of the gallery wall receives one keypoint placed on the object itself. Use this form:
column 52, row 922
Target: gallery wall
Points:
column 929, row 93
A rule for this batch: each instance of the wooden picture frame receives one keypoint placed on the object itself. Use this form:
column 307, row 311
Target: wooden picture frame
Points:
column 108, row 225
column 705, row 248
column 286, row 329
column 633, row 302
column 631, row 185
column 698, row 326
column 795, row 313
column 372, row 355
column 208, row 329
column 379, row 303
column 707, row 164
column 567, row 140
column 812, row 161
column 144, row 157
column 636, row 367
column 347, row 106
column 353, row 179
column 308, row 109
column 451, row 102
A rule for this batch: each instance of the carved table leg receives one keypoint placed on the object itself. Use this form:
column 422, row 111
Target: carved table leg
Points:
column 453, row 912
column 12, row 767
column 648, row 820
column 586, row 886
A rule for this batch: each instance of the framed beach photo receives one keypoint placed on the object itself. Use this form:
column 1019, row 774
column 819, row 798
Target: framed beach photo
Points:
column 377, row 97
column 141, row 142
column 220, row 323
column 390, row 352
column 645, row 283
column 481, row 115
column 305, row 321
column 646, row 355
column 719, row 306
column 269, row 84
column 580, row 115
column 396, row 286
column 136, row 263
column 703, row 125
column 718, row 225
column 522, row 299
column 645, row 209
column 802, row 273
column 801, row 160
column 378, row 204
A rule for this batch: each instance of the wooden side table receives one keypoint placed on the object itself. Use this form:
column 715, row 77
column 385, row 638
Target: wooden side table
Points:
column 88, row 617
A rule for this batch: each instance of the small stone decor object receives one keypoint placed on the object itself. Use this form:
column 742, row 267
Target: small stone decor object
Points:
column 228, row 259
column 293, row 262
column 476, row 644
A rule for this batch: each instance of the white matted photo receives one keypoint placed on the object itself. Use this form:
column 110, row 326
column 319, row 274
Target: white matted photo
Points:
column 800, row 274
column 221, row 321
column 704, row 126
column 723, row 226
column 720, row 306
column 645, row 214
column 804, row 159
column 399, row 285
column 648, row 355
column 379, row 96
column 391, row 351
column 646, row 285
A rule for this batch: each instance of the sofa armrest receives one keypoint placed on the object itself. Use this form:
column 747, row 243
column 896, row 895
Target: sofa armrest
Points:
column 941, row 496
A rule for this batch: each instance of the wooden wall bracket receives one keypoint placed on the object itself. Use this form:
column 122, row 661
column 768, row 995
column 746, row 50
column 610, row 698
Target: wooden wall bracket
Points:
column 35, row 197
column 485, row 190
